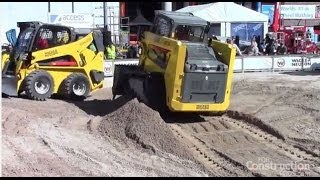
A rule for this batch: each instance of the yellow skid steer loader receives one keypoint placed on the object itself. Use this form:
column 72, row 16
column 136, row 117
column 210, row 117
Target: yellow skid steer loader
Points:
column 51, row 59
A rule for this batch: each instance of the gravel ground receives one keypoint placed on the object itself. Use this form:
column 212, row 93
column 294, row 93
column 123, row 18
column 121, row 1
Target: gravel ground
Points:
column 100, row 137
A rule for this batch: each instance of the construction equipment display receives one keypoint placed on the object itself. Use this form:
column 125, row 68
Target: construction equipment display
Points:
column 296, row 38
column 51, row 59
column 179, row 70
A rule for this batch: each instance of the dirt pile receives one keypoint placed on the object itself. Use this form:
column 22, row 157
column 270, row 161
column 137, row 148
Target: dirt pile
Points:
column 136, row 122
column 59, row 139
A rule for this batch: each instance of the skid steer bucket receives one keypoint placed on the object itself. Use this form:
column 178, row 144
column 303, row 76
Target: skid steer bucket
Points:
column 9, row 81
column 9, row 85
column 120, row 80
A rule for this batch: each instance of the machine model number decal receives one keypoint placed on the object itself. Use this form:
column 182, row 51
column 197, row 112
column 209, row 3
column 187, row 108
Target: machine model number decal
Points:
column 204, row 106
column 51, row 53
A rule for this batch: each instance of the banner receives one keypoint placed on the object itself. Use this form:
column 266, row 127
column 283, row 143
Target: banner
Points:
column 292, row 11
column 298, row 11
column 73, row 20
column 291, row 62
column 246, row 31
column 108, row 68
column 315, row 64
column 248, row 63
column 257, row 63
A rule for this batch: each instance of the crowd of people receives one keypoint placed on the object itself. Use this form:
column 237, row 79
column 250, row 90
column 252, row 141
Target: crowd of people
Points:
column 269, row 46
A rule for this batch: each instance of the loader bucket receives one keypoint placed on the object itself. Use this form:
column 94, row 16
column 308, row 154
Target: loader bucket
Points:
column 120, row 79
column 9, row 81
column 9, row 85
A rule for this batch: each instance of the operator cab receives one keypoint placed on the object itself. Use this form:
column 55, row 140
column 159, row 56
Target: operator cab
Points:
column 181, row 26
column 35, row 36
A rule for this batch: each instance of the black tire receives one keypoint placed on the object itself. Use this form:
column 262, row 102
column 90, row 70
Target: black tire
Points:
column 74, row 79
column 34, row 80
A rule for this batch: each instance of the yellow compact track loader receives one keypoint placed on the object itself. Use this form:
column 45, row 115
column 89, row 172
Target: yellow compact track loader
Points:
column 180, row 69
column 51, row 59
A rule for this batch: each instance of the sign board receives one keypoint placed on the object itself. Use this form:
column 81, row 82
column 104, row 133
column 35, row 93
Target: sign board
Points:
column 291, row 11
column 314, row 64
column 108, row 68
column 298, row 11
column 291, row 62
column 246, row 31
column 238, row 64
column 247, row 63
column 257, row 63
column 73, row 20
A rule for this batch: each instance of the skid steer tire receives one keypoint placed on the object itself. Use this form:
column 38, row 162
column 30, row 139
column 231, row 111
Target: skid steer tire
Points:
column 38, row 85
column 76, row 87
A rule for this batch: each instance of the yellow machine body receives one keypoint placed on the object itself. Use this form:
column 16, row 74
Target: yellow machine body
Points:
column 78, row 62
column 180, row 69
column 174, row 71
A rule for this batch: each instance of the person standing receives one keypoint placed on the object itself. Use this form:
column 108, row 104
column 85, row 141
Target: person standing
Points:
column 281, row 49
column 111, row 51
column 229, row 41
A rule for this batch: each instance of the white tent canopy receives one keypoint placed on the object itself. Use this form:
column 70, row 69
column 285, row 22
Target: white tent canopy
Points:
column 228, row 18
column 225, row 12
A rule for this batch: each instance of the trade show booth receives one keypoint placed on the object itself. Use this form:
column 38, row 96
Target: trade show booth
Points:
column 229, row 19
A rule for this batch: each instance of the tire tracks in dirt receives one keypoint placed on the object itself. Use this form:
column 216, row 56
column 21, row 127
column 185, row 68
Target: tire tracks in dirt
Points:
column 226, row 144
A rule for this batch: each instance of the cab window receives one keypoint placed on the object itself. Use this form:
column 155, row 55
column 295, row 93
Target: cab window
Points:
column 49, row 37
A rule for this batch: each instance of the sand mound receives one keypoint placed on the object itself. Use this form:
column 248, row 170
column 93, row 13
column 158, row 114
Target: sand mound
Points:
column 136, row 122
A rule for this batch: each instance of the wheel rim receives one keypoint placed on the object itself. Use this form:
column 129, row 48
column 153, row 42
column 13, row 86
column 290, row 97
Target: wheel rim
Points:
column 41, row 87
column 79, row 89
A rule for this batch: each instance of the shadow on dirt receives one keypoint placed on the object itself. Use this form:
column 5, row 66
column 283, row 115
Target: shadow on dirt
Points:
column 180, row 117
column 5, row 96
column 21, row 96
column 302, row 73
column 101, row 107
